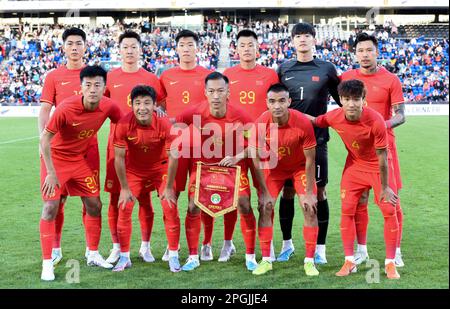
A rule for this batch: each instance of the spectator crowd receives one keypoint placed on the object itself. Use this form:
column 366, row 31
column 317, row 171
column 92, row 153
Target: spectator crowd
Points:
column 26, row 56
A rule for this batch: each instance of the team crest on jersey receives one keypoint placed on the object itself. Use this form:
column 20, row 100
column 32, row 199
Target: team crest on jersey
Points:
column 315, row 78
column 259, row 83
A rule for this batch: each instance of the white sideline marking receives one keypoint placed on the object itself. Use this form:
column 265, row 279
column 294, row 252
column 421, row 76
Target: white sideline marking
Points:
column 18, row 140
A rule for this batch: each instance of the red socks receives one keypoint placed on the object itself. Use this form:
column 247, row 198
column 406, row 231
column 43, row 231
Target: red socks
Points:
column 47, row 234
column 310, row 237
column 146, row 216
column 171, row 224
column 361, row 223
column 248, row 228
column 348, row 233
column 265, row 238
column 93, row 230
column 391, row 229
column 193, row 226
column 59, row 222
column 124, row 227
column 229, row 222
column 208, row 226
column 113, row 215
column 399, row 213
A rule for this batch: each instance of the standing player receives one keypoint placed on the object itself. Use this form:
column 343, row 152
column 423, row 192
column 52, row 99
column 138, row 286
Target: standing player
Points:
column 184, row 86
column 60, row 84
column 384, row 94
column 309, row 81
column 142, row 141
column 120, row 83
column 65, row 144
column 364, row 134
column 296, row 155
column 217, row 113
column 248, row 88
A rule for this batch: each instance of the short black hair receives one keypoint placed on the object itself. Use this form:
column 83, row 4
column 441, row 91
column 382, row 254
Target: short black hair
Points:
column 143, row 91
column 277, row 88
column 216, row 76
column 129, row 34
column 352, row 88
column 365, row 37
column 246, row 33
column 74, row 31
column 303, row 28
column 186, row 34
column 93, row 71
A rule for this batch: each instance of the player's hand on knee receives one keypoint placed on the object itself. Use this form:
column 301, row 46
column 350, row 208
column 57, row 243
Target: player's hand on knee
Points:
column 125, row 197
column 387, row 195
column 169, row 196
column 51, row 182
column 309, row 202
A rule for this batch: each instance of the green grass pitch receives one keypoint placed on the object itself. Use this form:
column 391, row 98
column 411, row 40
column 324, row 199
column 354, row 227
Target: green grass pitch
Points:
column 423, row 149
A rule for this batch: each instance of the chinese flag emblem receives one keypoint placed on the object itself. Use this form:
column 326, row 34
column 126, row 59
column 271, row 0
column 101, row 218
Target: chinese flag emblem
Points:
column 315, row 78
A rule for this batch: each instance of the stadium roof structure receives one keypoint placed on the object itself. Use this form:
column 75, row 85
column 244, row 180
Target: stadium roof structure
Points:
column 8, row 6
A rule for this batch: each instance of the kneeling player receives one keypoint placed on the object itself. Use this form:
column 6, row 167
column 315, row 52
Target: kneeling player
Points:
column 296, row 162
column 143, row 168
column 65, row 143
column 364, row 134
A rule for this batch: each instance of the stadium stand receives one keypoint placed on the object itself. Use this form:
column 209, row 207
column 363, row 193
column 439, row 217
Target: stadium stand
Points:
column 421, row 63
column 418, row 54
column 28, row 57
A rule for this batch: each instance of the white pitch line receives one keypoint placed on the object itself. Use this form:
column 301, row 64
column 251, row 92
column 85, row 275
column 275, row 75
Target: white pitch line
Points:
column 18, row 140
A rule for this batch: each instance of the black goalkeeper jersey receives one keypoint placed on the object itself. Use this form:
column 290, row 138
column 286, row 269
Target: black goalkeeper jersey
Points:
column 309, row 85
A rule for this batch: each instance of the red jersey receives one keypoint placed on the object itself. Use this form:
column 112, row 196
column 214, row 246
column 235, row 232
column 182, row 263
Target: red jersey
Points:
column 361, row 138
column 248, row 88
column 220, row 137
column 293, row 138
column 147, row 146
column 74, row 127
column 60, row 84
column 384, row 90
column 183, row 88
column 119, row 85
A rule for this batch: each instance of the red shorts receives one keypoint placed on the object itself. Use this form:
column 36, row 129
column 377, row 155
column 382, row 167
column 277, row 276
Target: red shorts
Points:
column 93, row 159
column 244, row 187
column 275, row 181
column 393, row 160
column 354, row 182
column 76, row 177
column 153, row 180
